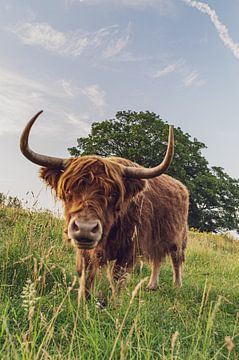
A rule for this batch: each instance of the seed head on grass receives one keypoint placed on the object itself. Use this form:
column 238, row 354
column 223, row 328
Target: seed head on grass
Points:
column 134, row 293
column 29, row 303
column 29, row 298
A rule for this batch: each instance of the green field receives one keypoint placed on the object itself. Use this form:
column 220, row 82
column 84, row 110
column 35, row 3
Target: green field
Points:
column 44, row 316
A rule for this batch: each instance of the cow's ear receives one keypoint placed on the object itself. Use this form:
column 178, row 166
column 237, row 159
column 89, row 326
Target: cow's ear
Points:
column 50, row 176
column 133, row 187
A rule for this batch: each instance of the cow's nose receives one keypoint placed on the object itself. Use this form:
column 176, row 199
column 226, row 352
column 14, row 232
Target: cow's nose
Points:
column 85, row 231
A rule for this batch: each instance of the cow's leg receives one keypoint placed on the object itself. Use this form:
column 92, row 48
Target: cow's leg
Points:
column 120, row 271
column 153, row 281
column 177, row 260
column 123, row 264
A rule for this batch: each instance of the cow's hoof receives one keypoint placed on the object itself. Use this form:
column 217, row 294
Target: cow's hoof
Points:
column 101, row 305
column 101, row 301
column 177, row 284
column 151, row 287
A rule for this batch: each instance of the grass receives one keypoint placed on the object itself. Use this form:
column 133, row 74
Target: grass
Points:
column 43, row 314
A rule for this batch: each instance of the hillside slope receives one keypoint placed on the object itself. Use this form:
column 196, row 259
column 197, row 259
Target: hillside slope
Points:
column 43, row 315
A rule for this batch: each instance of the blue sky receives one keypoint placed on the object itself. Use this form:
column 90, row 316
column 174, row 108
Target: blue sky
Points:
column 84, row 60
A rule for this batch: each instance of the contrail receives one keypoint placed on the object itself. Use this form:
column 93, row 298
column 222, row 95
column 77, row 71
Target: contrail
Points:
column 221, row 28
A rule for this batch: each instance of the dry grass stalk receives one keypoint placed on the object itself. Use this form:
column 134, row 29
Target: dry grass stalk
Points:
column 173, row 342
column 124, row 347
column 10, row 339
column 80, row 295
column 50, row 329
column 109, row 274
column 229, row 343
column 134, row 293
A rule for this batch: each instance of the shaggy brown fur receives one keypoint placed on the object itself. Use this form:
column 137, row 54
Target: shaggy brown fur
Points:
column 146, row 217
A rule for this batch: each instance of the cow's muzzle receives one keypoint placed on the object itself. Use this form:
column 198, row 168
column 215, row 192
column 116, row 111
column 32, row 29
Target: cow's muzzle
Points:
column 86, row 234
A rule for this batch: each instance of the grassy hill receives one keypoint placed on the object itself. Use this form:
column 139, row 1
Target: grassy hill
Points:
column 43, row 315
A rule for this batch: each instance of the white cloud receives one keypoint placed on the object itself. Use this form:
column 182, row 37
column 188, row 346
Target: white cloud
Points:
column 68, row 88
column 116, row 47
column 81, row 121
column 164, row 6
column 127, row 56
column 93, row 93
column 193, row 79
column 108, row 41
column 18, row 96
column 221, row 28
column 96, row 96
column 41, row 34
column 168, row 69
column 21, row 97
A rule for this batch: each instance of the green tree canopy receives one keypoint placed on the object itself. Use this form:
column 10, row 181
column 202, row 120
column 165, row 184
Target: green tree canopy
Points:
column 142, row 137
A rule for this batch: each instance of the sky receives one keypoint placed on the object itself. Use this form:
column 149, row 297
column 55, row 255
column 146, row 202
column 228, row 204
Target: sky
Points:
column 81, row 61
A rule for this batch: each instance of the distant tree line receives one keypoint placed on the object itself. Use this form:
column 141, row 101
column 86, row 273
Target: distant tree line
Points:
column 10, row 201
column 142, row 137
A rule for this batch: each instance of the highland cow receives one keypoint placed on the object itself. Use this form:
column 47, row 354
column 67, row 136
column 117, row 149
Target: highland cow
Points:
column 116, row 210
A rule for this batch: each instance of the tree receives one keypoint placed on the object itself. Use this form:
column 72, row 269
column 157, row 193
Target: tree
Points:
column 142, row 137
column 10, row 201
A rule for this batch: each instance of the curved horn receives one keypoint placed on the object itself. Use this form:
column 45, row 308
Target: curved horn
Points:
column 42, row 160
column 145, row 173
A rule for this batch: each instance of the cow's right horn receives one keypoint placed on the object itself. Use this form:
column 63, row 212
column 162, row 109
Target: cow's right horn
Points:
column 42, row 160
column 148, row 173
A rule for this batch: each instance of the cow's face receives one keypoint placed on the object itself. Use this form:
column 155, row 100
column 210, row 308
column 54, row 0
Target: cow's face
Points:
column 94, row 193
column 94, row 190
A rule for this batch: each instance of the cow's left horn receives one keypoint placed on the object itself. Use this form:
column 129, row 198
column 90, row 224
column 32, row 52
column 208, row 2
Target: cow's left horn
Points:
column 145, row 173
column 42, row 160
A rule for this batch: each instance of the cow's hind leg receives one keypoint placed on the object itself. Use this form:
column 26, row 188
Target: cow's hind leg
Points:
column 153, row 281
column 177, row 257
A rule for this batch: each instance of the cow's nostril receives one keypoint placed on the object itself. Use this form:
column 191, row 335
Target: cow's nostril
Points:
column 75, row 227
column 95, row 229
